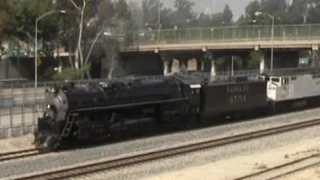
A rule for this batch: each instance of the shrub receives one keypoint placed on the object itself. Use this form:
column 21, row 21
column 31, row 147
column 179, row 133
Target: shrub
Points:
column 71, row 74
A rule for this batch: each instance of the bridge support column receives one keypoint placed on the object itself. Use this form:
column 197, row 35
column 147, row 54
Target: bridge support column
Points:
column 213, row 67
column 166, row 59
column 315, row 57
column 166, row 67
column 200, row 64
column 263, row 64
column 208, row 56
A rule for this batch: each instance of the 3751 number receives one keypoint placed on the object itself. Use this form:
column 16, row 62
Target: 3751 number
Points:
column 235, row 99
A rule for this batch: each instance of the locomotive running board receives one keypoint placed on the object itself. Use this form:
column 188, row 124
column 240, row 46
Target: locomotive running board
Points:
column 133, row 104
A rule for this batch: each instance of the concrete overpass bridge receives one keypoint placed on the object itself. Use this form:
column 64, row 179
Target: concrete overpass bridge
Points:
column 183, row 44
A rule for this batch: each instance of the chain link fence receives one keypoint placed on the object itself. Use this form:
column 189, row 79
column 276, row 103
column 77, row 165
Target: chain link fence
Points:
column 19, row 103
column 226, row 34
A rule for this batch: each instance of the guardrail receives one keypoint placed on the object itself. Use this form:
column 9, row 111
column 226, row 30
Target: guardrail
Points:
column 226, row 34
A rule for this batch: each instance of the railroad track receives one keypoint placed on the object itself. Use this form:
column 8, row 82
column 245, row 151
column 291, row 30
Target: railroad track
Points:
column 70, row 172
column 284, row 169
column 19, row 154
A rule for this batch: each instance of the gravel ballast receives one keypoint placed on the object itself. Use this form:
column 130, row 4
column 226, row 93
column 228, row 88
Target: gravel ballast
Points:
column 201, row 158
column 52, row 161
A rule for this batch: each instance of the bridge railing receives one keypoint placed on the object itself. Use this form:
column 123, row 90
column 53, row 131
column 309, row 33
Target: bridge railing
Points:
column 227, row 33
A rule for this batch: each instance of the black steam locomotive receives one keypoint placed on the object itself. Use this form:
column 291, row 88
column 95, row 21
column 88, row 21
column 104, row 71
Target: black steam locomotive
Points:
column 75, row 112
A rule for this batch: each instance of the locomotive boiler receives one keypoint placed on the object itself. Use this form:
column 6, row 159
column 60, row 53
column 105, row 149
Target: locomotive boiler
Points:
column 103, row 108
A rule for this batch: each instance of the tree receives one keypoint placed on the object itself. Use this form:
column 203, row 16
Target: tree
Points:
column 274, row 6
column 23, row 16
column 204, row 20
column 166, row 20
column 227, row 15
column 277, row 8
column 241, row 20
column 254, row 60
column 151, row 12
column 136, row 14
column 20, row 23
column 184, row 7
column 90, row 18
column 93, row 18
column 217, row 19
column 184, row 15
column 121, row 10
column 298, row 12
column 251, row 9
column 313, row 11
column 79, row 50
column 4, row 19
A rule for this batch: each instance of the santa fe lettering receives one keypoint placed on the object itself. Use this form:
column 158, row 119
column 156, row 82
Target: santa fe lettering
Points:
column 237, row 89
column 237, row 93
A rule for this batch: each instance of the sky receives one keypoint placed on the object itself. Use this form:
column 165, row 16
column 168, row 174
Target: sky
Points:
column 237, row 6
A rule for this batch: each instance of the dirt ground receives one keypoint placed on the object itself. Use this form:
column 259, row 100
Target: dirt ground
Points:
column 18, row 143
column 308, row 174
column 243, row 165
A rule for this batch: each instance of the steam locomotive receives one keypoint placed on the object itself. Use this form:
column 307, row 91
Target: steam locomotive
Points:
column 76, row 112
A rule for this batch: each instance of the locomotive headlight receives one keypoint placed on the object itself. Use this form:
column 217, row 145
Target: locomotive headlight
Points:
column 52, row 90
column 51, row 111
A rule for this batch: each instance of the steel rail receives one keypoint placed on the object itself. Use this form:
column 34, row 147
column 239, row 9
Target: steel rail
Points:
column 13, row 155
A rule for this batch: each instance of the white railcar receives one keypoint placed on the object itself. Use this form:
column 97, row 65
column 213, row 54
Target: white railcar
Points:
column 293, row 90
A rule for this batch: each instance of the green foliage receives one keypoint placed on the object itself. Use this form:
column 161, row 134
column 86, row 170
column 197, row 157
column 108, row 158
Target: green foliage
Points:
column 47, row 75
column 253, row 62
column 165, row 19
column 130, row 27
column 250, row 11
column 181, row 16
column 121, row 10
column 241, row 21
column 136, row 13
column 298, row 12
column 217, row 19
column 184, row 7
column 71, row 74
column 4, row 19
column 150, row 9
column 225, row 63
column 227, row 15
column 23, row 15
column 184, row 15
column 204, row 20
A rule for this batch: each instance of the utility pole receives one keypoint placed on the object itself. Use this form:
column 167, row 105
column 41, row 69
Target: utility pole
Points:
column 232, row 66
column 159, row 20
